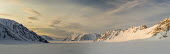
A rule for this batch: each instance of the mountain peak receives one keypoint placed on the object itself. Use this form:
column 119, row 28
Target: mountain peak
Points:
column 162, row 25
column 12, row 30
column 134, row 29
column 165, row 21
column 138, row 32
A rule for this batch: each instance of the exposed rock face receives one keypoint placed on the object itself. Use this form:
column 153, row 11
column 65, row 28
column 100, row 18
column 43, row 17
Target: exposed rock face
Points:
column 161, row 26
column 162, row 29
column 12, row 30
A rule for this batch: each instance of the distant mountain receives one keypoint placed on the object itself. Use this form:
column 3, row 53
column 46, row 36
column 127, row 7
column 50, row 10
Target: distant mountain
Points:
column 82, row 37
column 158, row 31
column 161, row 30
column 11, row 30
column 47, row 37
column 139, row 32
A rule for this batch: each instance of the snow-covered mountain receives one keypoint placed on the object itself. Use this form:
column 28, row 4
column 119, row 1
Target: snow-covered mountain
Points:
column 82, row 37
column 11, row 30
column 160, row 30
column 46, row 37
column 91, row 36
column 73, row 37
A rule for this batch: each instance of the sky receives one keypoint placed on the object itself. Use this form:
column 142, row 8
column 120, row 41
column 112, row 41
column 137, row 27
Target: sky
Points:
column 65, row 17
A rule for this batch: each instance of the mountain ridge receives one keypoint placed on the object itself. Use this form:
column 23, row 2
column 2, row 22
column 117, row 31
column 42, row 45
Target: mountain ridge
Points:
column 133, row 33
column 10, row 29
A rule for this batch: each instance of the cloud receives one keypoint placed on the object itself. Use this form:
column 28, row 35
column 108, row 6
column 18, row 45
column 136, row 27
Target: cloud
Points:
column 3, row 14
column 17, row 2
column 59, row 23
column 127, row 5
column 32, row 12
column 32, row 18
column 67, row 26
column 74, row 26
column 126, row 14
column 54, row 23
column 86, row 21
column 52, row 32
column 96, row 15
column 29, row 22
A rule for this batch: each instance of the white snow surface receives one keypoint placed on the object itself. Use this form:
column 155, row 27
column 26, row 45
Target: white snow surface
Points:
column 160, row 46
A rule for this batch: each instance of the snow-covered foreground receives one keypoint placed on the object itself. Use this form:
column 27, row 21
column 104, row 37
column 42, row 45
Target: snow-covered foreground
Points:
column 53, row 41
column 131, row 47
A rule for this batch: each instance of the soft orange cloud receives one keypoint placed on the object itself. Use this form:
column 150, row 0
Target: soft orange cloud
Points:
column 3, row 14
column 32, row 12
column 16, row 2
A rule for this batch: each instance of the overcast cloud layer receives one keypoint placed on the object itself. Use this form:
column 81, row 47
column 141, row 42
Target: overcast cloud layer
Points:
column 64, row 17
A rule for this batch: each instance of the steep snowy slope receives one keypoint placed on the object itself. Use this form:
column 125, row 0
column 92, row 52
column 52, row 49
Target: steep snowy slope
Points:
column 162, row 29
column 91, row 36
column 82, row 37
column 159, row 30
column 11, row 30
column 73, row 37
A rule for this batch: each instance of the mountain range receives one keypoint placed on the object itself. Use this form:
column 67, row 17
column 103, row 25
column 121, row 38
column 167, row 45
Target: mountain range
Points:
column 158, row 31
column 11, row 30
